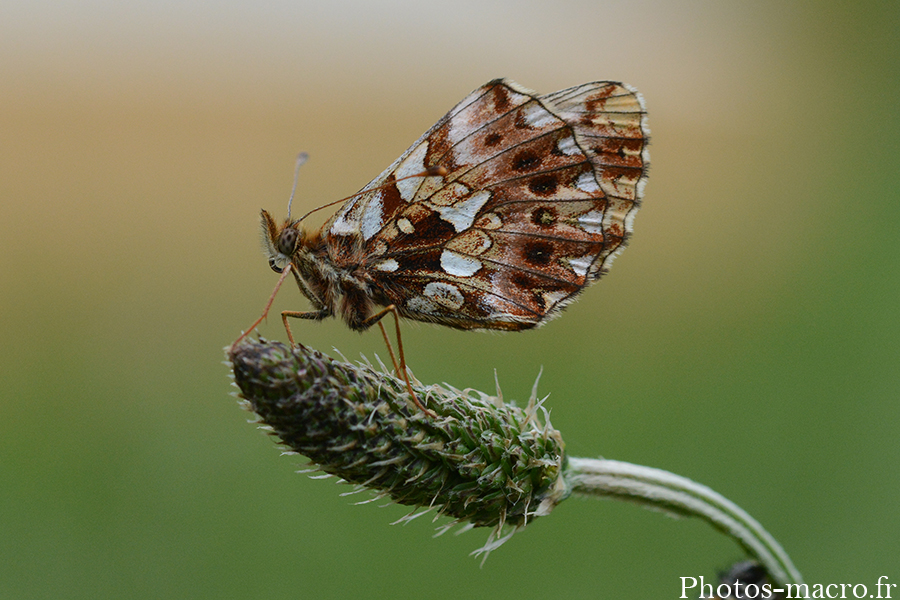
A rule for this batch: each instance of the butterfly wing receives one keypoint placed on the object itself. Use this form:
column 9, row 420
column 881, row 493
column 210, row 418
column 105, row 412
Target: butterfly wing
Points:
column 537, row 200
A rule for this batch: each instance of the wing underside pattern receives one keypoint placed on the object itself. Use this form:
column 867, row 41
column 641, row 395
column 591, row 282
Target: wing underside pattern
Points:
column 537, row 200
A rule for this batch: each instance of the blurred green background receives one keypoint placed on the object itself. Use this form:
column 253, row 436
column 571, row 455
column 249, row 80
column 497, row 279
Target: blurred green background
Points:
column 747, row 339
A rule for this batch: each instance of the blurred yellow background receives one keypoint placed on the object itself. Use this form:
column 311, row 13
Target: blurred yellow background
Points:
column 748, row 338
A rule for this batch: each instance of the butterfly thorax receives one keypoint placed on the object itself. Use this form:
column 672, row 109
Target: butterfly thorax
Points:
column 333, row 287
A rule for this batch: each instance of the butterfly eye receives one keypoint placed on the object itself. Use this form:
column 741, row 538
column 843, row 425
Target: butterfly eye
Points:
column 274, row 266
column 287, row 241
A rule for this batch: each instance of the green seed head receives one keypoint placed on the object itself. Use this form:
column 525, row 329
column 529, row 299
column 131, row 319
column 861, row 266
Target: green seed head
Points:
column 478, row 460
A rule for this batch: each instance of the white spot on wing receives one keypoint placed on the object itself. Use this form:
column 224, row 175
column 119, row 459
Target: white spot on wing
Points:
column 347, row 219
column 388, row 265
column 587, row 183
column 411, row 165
column 421, row 304
column 372, row 220
column 405, row 226
column 462, row 214
column 592, row 222
column 581, row 264
column 444, row 294
column 537, row 116
column 458, row 264
column 568, row 147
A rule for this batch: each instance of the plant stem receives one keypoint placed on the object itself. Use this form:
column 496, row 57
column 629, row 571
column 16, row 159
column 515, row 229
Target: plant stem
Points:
column 660, row 489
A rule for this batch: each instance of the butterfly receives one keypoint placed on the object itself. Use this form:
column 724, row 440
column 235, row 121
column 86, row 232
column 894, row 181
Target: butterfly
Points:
column 496, row 218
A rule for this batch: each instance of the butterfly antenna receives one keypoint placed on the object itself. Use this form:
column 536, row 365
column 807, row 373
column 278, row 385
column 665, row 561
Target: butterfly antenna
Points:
column 301, row 160
column 436, row 171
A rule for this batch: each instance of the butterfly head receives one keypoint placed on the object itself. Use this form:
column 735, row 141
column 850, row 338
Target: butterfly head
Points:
column 280, row 242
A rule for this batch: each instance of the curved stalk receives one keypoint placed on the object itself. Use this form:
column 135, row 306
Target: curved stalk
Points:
column 660, row 489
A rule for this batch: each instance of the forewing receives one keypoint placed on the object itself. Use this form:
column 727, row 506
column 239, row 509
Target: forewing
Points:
column 537, row 200
column 359, row 226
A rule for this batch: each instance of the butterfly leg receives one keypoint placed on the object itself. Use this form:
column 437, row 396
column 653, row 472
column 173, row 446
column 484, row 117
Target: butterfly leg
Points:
column 401, row 368
column 316, row 315
column 387, row 342
column 281, row 279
